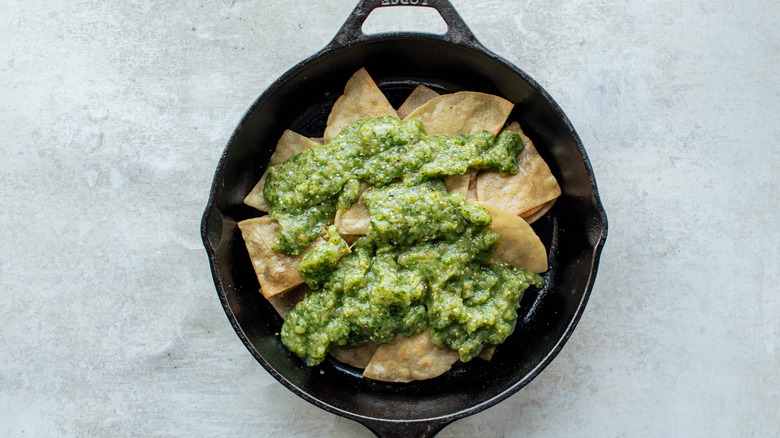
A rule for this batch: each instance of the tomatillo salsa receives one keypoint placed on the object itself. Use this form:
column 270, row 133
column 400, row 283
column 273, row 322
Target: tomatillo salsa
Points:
column 422, row 265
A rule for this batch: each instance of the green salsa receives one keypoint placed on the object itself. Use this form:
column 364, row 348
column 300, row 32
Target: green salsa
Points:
column 306, row 191
column 422, row 265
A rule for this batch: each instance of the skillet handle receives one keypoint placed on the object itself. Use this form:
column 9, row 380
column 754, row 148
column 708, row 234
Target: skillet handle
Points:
column 457, row 30
column 411, row 429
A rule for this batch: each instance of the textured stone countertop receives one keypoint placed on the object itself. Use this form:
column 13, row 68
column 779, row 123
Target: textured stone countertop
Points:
column 113, row 118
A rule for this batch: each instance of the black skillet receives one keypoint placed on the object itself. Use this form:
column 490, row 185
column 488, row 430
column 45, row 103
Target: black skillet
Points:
column 574, row 231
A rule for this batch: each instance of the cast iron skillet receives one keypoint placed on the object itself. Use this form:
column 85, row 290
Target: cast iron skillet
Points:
column 574, row 231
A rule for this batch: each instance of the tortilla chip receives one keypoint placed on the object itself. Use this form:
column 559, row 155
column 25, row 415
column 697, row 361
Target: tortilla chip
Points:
column 275, row 272
column 458, row 183
column 465, row 112
column 471, row 193
column 538, row 212
column 461, row 183
column 361, row 98
column 407, row 359
column 519, row 245
column 290, row 144
column 356, row 220
column 349, row 238
column 284, row 302
column 419, row 96
column 531, row 212
column 532, row 186
column 358, row 357
column 487, row 353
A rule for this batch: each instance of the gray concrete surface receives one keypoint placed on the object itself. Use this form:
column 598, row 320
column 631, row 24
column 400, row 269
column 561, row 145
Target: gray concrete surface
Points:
column 113, row 116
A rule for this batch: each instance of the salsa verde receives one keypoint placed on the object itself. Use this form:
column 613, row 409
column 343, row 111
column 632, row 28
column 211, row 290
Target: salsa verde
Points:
column 423, row 264
column 305, row 192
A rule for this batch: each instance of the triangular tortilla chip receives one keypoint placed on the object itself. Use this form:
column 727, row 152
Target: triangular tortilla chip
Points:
column 519, row 245
column 407, row 359
column 487, row 353
column 275, row 272
column 290, row 144
column 460, row 183
column 419, row 96
column 358, row 357
column 535, row 214
column 356, row 220
column 471, row 193
column 361, row 98
column 284, row 302
column 532, row 186
column 465, row 112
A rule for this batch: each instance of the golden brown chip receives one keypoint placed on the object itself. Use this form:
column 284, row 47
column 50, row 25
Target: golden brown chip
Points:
column 407, row 359
column 531, row 212
column 532, row 186
column 419, row 96
column 519, row 245
column 256, row 198
column 361, row 98
column 535, row 214
column 284, row 302
column 276, row 272
column 358, row 357
column 465, row 112
column 290, row 144
column 356, row 220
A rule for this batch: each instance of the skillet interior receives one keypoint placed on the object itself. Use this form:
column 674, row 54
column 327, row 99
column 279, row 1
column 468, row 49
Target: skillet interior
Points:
column 573, row 231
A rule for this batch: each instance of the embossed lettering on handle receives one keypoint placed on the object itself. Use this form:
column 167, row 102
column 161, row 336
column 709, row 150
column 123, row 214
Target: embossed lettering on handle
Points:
column 405, row 2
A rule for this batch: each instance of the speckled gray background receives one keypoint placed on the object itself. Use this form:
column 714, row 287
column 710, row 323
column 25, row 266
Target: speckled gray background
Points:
column 113, row 116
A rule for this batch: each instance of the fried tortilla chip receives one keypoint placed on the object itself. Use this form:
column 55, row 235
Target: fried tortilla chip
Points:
column 358, row 357
column 535, row 214
column 519, row 245
column 275, row 272
column 419, row 96
column 361, row 98
column 531, row 213
column 465, row 112
column 407, row 359
column 290, row 144
column 471, row 193
column 487, row 353
column 531, row 187
column 356, row 220
column 284, row 302
column 460, row 183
